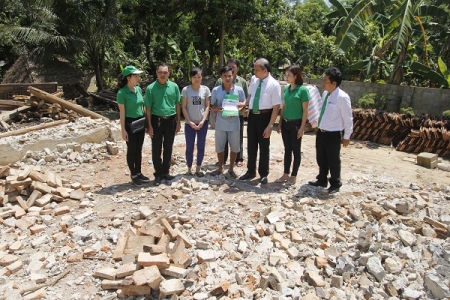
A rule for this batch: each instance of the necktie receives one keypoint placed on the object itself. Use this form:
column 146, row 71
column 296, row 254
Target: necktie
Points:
column 255, row 106
column 323, row 108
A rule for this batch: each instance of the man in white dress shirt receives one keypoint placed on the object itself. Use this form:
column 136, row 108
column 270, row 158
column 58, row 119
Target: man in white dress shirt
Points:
column 335, row 127
column 264, row 104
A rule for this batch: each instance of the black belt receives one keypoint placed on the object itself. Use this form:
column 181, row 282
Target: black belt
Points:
column 296, row 120
column 261, row 111
column 165, row 117
column 323, row 130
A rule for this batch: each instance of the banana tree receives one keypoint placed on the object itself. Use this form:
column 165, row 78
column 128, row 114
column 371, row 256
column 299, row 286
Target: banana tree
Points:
column 396, row 20
column 444, row 71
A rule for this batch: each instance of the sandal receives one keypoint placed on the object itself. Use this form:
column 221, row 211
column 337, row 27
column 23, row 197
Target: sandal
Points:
column 292, row 180
column 239, row 164
column 199, row 174
column 232, row 174
column 216, row 172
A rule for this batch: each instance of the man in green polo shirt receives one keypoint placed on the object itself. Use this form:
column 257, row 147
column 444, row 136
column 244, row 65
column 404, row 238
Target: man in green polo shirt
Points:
column 239, row 81
column 162, row 102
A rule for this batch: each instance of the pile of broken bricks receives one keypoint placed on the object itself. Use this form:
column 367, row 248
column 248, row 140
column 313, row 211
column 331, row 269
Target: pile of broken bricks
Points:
column 31, row 190
column 149, row 250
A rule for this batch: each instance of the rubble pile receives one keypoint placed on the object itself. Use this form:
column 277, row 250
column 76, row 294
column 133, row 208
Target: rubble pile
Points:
column 71, row 154
column 407, row 133
column 91, row 139
column 212, row 237
column 30, row 186
column 390, row 242
column 33, row 200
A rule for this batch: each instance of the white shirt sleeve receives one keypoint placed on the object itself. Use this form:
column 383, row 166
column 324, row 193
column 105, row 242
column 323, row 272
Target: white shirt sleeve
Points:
column 347, row 116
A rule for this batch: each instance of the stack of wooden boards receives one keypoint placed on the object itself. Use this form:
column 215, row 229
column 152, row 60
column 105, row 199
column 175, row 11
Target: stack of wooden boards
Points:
column 414, row 134
column 30, row 108
column 42, row 104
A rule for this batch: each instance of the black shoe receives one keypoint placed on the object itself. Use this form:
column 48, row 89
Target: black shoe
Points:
column 143, row 178
column 157, row 180
column 263, row 180
column 168, row 177
column 333, row 190
column 136, row 181
column 247, row 176
column 317, row 183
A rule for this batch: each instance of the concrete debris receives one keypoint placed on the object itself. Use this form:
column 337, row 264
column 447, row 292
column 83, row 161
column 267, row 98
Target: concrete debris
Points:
column 214, row 238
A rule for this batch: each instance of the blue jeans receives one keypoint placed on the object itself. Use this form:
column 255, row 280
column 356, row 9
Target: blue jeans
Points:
column 190, row 135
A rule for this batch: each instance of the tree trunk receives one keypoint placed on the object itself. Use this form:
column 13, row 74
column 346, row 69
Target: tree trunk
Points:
column 211, row 60
column 203, row 50
column 98, row 77
column 221, row 50
column 397, row 78
column 148, row 50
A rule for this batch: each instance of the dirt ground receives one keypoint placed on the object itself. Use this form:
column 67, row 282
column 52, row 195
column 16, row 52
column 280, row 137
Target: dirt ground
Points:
column 113, row 194
column 360, row 158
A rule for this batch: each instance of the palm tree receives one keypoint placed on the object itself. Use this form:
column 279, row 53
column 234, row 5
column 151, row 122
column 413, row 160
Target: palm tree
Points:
column 38, row 31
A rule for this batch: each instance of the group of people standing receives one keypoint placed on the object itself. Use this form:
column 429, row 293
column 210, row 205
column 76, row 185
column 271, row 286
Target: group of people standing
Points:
column 224, row 105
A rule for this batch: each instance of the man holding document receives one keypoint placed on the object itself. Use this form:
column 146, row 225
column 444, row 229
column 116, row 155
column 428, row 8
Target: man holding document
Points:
column 224, row 100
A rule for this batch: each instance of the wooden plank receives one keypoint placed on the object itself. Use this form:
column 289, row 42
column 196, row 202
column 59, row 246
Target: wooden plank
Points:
column 103, row 99
column 10, row 90
column 4, row 125
column 11, row 103
column 52, row 99
column 33, row 128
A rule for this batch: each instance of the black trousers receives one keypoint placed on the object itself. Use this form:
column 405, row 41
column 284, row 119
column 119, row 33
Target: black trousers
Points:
column 328, row 151
column 134, row 148
column 255, row 128
column 240, row 154
column 292, row 145
column 162, row 142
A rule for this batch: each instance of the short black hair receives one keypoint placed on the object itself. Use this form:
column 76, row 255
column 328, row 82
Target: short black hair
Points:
column 195, row 71
column 163, row 64
column 226, row 69
column 335, row 75
column 234, row 61
column 297, row 71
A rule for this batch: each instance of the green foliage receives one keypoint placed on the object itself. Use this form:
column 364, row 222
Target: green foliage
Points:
column 446, row 114
column 401, row 24
column 395, row 41
column 444, row 71
column 407, row 111
column 182, row 64
column 245, row 58
column 372, row 101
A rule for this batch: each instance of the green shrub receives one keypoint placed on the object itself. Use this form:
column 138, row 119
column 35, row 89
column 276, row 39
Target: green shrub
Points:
column 372, row 100
column 407, row 110
column 446, row 114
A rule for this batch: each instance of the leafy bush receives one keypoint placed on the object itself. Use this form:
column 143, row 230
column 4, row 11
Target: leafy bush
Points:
column 407, row 110
column 446, row 114
column 372, row 100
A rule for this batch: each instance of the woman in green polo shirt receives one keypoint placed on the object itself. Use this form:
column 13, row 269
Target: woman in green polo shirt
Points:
column 294, row 113
column 130, row 102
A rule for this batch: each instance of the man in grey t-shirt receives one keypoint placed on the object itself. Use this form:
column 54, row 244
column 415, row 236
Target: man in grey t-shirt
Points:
column 227, row 126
